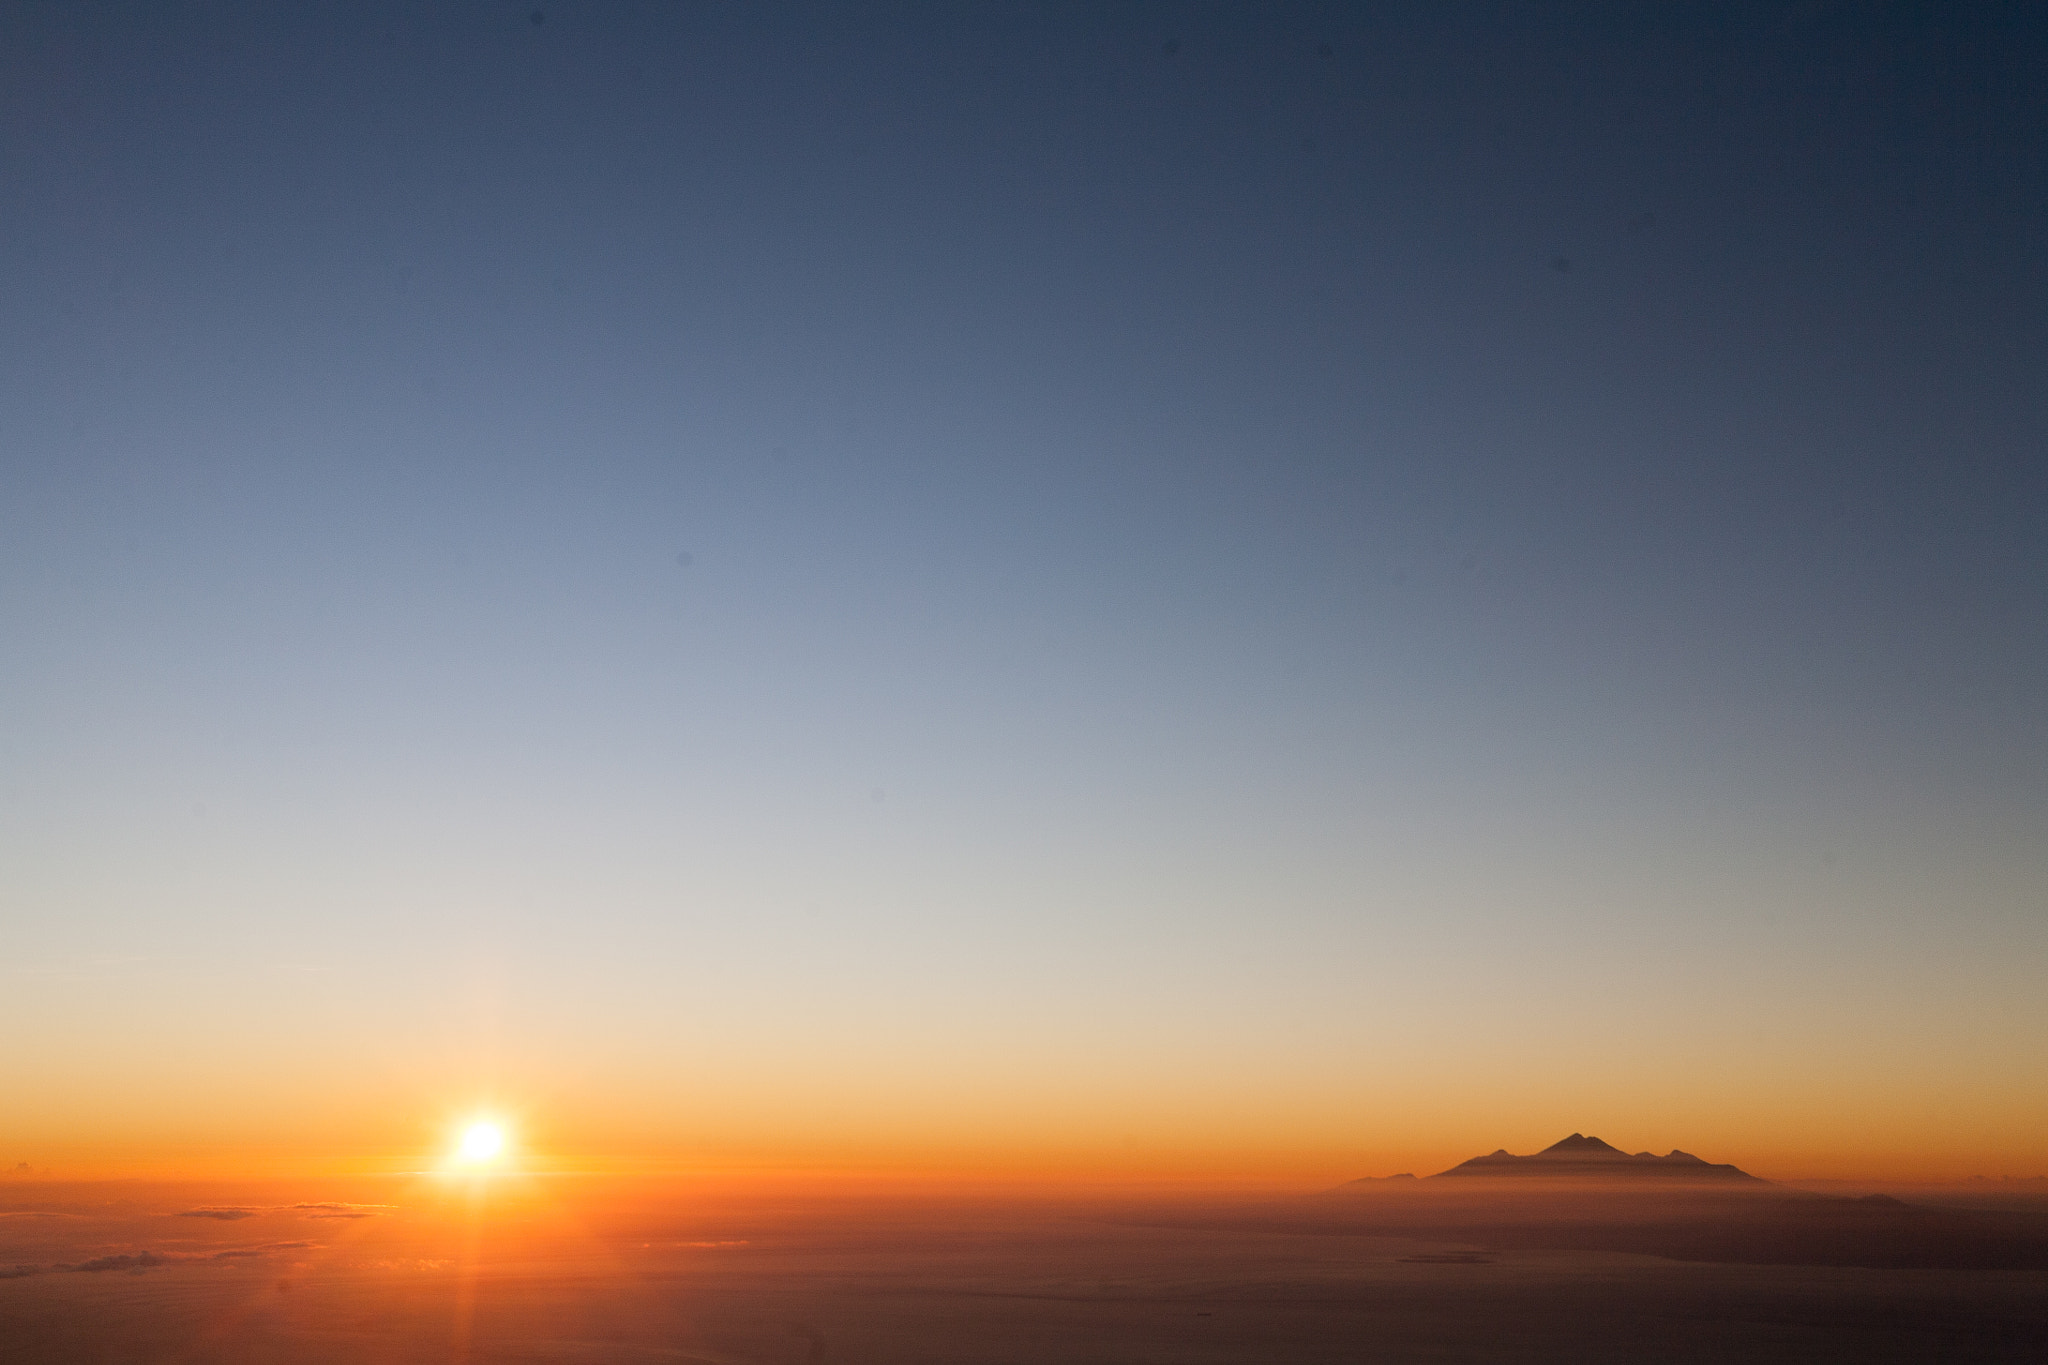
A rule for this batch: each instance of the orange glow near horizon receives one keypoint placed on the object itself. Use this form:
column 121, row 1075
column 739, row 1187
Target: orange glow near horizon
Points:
column 1072, row 1130
column 491, row 1147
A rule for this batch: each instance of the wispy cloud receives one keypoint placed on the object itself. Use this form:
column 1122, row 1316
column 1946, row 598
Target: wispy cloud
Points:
column 335, row 1209
column 99, row 1264
column 140, row 1261
column 232, row 1213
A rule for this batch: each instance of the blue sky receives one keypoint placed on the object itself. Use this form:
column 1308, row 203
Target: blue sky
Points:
column 1116, row 534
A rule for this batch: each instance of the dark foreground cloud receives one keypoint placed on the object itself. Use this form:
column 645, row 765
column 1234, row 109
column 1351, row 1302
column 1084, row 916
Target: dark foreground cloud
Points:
column 140, row 1261
column 231, row 1213
column 242, row 1253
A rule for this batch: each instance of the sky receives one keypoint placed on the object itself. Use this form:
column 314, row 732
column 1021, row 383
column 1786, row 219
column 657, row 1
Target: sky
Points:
column 1232, row 591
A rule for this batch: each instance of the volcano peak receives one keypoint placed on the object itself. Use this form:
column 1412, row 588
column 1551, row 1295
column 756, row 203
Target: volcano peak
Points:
column 1578, row 1144
column 1580, row 1156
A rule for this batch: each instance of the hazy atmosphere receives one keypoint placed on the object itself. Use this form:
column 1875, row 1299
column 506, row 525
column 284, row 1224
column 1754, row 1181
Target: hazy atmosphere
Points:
column 1241, row 592
column 1023, row 684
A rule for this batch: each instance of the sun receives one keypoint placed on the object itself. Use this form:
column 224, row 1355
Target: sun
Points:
column 482, row 1142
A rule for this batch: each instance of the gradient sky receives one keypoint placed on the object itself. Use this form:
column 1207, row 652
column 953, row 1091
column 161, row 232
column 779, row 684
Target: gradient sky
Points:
column 1261, row 590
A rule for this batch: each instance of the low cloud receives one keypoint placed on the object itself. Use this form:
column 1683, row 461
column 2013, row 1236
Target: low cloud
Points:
column 335, row 1209
column 136, row 1263
column 140, row 1261
column 234, row 1213
column 241, row 1253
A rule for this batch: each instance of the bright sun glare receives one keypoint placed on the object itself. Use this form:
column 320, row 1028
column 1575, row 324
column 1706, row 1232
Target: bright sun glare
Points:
column 481, row 1142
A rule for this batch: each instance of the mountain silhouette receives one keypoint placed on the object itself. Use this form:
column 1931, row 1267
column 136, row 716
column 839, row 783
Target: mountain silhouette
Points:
column 1579, row 1156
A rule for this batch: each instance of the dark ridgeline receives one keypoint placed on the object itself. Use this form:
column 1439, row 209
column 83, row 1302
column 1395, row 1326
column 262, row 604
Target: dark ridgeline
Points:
column 1579, row 1156
column 1582, row 1194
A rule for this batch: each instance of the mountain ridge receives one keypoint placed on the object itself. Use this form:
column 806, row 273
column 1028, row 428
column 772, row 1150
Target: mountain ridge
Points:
column 1580, row 1157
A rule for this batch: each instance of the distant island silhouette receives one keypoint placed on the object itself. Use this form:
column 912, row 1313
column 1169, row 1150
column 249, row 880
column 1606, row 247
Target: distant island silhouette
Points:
column 1580, row 1156
column 1583, row 1194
